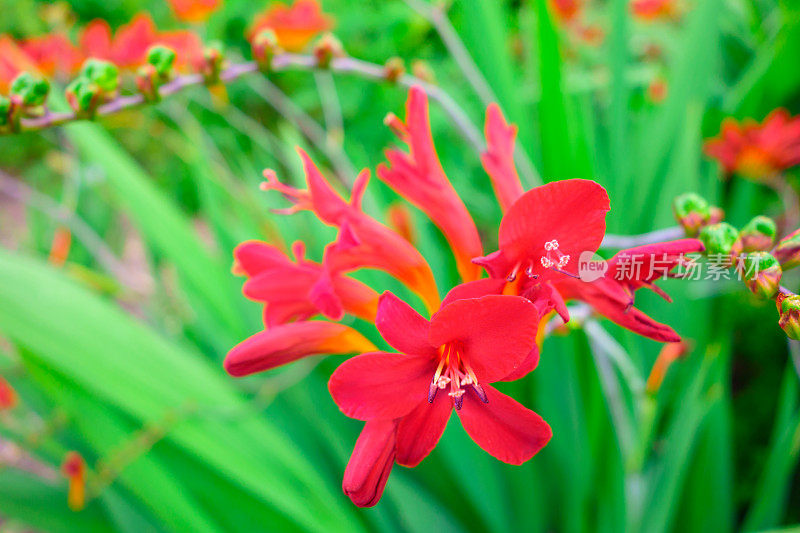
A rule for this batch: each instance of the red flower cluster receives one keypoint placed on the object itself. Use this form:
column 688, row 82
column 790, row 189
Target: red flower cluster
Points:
column 294, row 25
column 757, row 151
column 485, row 329
column 55, row 55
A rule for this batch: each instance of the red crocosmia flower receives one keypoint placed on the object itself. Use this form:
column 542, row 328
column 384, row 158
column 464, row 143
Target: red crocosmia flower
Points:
column 371, row 462
column 294, row 25
column 283, row 344
column 96, row 40
column 629, row 270
column 758, row 151
column 53, row 54
column 288, row 287
column 418, row 176
column 650, row 10
column 8, row 397
column 193, row 10
column 498, row 160
column 399, row 219
column 445, row 363
column 362, row 241
column 546, row 229
column 12, row 61
column 565, row 10
column 74, row 469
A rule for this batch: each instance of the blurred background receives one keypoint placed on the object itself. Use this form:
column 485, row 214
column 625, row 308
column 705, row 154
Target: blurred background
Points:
column 118, row 305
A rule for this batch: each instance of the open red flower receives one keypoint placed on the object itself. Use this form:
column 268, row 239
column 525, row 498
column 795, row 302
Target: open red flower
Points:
column 629, row 270
column 546, row 229
column 193, row 10
column 757, row 151
column 445, row 363
column 362, row 242
column 279, row 345
column 294, row 25
column 291, row 289
column 418, row 176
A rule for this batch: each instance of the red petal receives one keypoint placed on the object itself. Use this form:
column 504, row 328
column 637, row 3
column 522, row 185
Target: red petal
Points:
column 95, row 39
column 402, row 327
column 289, row 342
column 370, row 463
column 252, row 257
column 381, row 385
column 496, row 332
column 498, row 160
column 572, row 212
column 546, row 298
column 418, row 176
column 527, row 366
column 504, row 428
column 474, row 289
column 650, row 262
column 420, row 430
column 327, row 204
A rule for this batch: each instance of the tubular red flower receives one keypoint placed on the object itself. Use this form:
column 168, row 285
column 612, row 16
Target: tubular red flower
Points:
column 757, row 151
column 651, row 10
column 283, row 344
column 547, row 228
column 300, row 289
column 13, row 60
column 8, row 397
column 74, row 469
column 370, row 463
column 193, row 10
column 498, row 160
column 53, row 54
column 362, row 242
column 613, row 295
column 418, row 176
column 468, row 344
column 294, row 25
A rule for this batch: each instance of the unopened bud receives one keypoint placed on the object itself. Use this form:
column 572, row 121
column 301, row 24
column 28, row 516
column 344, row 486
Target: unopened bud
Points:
column 326, row 49
column 29, row 91
column 757, row 236
column 83, row 96
column 789, row 308
column 422, row 70
column 213, row 62
column 394, row 69
column 788, row 250
column 103, row 74
column 692, row 212
column 761, row 273
column 719, row 239
column 717, row 214
column 148, row 81
column 265, row 47
column 162, row 58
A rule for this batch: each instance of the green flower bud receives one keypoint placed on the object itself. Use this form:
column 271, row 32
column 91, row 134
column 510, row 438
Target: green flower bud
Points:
column 29, row 90
column 148, row 81
column 788, row 250
column 692, row 212
column 213, row 61
column 265, row 46
column 5, row 112
column 789, row 308
column 394, row 69
column 83, row 95
column 761, row 273
column 162, row 59
column 327, row 48
column 719, row 239
column 102, row 73
column 758, row 235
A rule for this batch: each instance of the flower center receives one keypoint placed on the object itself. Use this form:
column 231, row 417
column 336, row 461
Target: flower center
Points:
column 455, row 373
column 554, row 259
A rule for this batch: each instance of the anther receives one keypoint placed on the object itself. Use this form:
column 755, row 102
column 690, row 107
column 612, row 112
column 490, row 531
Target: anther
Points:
column 432, row 392
column 480, row 392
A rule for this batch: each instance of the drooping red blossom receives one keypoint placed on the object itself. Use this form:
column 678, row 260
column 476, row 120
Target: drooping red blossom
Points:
column 362, row 242
column 442, row 364
column 282, row 344
column 371, row 462
column 498, row 159
column 8, row 396
column 629, row 270
column 651, row 10
column 193, row 10
column 291, row 289
column 418, row 176
column 294, row 25
column 757, row 151
column 546, row 229
column 74, row 469
column 127, row 47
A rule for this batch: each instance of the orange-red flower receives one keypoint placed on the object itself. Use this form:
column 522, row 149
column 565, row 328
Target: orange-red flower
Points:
column 74, row 469
column 53, row 54
column 12, row 61
column 757, row 151
column 566, row 10
column 418, row 177
column 650, row 10
column 8, row 397
column 294, row 25
column 498, row 159
column 193, row 10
